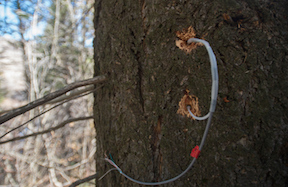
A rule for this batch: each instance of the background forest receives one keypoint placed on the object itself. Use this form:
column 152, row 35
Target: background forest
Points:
column 49, row 45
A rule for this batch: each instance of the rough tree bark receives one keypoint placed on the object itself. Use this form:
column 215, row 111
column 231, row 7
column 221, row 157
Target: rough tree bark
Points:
column 135, row 112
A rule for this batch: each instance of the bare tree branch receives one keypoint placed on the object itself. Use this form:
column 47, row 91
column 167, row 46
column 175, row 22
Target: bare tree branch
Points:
column 19, row 126
column 91, row 177
column 48, row 130
column 71, row 94
column 75, row 97
column 92, row 153
column 74, row 26
column 49, row 97
column 5, row 111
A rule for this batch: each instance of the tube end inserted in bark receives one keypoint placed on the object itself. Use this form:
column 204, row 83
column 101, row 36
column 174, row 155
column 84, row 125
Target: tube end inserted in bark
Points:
column 188, row 100
column 183, row 36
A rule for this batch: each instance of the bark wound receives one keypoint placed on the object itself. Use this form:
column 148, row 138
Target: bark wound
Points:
column 140, row 81
column 137, row 55
column 189, row 100
column 97, row 8
column 144, row 21
column 185, row 35
column 156, row 153
column 284, row 153
column 144, row 49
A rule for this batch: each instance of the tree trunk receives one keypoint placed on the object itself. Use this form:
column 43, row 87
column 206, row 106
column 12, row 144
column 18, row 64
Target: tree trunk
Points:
column 136, row 116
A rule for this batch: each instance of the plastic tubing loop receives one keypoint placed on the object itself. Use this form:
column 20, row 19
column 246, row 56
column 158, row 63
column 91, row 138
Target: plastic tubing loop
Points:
column 214, row 92
column 214, row 73
column 172, row 179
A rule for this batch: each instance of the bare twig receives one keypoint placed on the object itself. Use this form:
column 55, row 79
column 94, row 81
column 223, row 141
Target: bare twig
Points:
column 78, row 22
column 48, row 130
column 49, row 97
column 91, row 177
column 106, row 173
column 5, row 111
column 71, row 94
column 24, row 158
column 19, row 126
column 79, row 163
column 75, row 97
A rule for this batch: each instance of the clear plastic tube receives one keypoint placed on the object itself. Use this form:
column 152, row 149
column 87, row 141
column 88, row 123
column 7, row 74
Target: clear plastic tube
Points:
column 214, row 92
column 214, row 72
column 178, row 176
column 198, row 118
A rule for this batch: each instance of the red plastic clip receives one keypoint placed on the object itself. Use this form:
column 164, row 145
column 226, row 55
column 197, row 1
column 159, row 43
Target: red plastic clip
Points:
column 195, row 152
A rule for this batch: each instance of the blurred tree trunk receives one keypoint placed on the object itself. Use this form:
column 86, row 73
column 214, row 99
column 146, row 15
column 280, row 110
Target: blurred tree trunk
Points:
column 135, row 112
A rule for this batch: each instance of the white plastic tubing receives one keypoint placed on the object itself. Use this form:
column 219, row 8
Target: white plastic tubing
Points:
column 214, row 72
column 214, row 93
